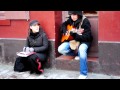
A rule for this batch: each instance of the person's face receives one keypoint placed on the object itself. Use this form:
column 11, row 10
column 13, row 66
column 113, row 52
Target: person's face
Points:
column 35, row 28
column 74, row 17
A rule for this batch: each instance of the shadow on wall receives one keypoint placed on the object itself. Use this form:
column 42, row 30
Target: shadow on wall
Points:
column 94, row 27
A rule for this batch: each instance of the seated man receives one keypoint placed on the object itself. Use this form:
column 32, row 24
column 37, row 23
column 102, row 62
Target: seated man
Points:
column 77, row 28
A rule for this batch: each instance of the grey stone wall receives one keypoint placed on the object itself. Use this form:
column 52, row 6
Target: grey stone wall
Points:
column 9, row 47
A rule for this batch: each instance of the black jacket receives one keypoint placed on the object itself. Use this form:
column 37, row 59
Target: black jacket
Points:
column 38, row 41
column 86, row 35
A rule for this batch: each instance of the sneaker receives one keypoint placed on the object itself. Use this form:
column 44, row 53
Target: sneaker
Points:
column 82, row 77
column 77, row 58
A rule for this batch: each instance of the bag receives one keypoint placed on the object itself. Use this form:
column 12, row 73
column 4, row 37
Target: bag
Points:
column 21, row 65
column 74, row 44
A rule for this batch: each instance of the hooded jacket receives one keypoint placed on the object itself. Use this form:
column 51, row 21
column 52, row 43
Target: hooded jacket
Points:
column 86, row 35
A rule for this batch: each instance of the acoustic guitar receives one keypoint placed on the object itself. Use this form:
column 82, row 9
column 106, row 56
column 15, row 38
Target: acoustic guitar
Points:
column 65, row 37
column 69, row 29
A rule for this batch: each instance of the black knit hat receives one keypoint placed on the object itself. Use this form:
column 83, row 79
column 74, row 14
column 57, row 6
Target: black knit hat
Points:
column 75, row 12
column 34, row 22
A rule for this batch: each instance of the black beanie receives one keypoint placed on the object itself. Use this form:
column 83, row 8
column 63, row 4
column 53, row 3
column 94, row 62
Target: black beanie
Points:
column 75, row 12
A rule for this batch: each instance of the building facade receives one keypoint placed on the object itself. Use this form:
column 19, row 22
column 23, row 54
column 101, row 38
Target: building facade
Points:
column 104, row 54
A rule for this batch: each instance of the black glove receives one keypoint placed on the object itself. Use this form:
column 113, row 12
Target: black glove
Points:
column 63, row 31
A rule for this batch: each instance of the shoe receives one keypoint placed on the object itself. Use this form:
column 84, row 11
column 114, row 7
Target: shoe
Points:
column 40, row 71
column 82, row 77
column 31, row 72
column 77, row 58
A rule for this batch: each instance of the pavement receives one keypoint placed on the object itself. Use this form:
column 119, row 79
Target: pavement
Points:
column 7, row 72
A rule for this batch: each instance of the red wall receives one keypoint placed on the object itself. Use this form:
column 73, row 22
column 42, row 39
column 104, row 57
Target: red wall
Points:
column 19, row 28
column 109, row 26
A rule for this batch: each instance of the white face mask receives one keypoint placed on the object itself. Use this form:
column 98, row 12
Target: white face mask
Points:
column 35, row 28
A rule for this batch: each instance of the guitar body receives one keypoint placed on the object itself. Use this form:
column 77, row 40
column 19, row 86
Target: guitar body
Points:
column 66, row 37
column 69, row 28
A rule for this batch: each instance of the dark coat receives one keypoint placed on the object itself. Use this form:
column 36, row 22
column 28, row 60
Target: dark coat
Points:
column 38, row 41
column 86, row 35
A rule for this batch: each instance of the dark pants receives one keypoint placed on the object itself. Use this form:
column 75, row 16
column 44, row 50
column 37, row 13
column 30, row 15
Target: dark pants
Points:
column 32, row 63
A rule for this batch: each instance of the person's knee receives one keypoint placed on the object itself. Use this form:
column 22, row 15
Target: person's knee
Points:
column 32, row 58
column 83, row 49
column 62, row 51
column 59, row 49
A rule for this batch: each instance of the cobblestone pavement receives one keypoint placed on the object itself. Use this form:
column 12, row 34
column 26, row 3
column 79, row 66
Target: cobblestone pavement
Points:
column 6, row 72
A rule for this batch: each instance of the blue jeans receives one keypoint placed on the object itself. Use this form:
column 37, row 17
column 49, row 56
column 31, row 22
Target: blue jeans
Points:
column 64, row 49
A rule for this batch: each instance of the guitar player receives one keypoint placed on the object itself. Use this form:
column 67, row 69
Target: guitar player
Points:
column 76, row 22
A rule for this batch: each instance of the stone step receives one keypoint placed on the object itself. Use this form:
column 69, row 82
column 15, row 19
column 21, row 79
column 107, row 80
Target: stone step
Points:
column 69, row 63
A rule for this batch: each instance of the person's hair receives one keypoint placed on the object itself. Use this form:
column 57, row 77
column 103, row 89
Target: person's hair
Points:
column 79, row 13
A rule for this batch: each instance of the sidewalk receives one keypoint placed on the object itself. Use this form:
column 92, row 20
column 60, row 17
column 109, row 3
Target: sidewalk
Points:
column 6, row 72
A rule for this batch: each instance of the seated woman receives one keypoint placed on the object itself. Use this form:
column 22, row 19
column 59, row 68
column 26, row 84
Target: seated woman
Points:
column 36, row 42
